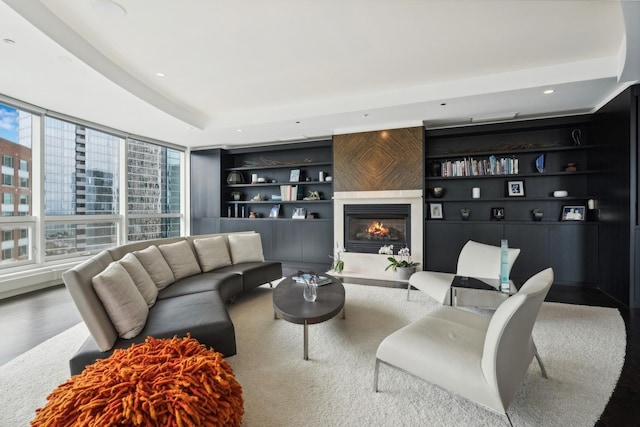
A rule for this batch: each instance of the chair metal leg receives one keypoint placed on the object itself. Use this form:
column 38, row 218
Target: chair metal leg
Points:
column 270, row 285
column 408, row 290
column 508, row 419
column 544, row 371
column 375, row 375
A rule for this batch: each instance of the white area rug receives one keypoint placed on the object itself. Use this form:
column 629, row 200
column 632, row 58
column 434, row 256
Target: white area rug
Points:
column 582, row 348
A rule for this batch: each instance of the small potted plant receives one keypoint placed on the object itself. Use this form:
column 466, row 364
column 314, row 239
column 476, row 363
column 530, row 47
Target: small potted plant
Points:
column 338, row 263
column 403, row 267
column 235, row 195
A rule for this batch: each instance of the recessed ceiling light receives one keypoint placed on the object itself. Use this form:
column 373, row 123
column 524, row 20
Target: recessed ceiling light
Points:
column 9, row 41
column 365, row 115
column 297, row 122
column 442, row 104
column 548, row 91
column 160, row 74
column 239, row 130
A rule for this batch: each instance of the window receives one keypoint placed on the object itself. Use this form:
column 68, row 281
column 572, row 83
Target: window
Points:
column 7, row 254
column 80, row 188
column 81, row 180
column 153, row 196
column 7, row 161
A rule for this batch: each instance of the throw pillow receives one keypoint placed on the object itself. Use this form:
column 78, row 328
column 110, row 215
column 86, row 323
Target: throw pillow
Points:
column 122, row 301
column 181, row 259
column 152, row 260
column 141, row 278
column 246, row 247
column 212, row 252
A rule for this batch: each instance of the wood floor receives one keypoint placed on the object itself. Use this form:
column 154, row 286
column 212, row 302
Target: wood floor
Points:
column 30, row 319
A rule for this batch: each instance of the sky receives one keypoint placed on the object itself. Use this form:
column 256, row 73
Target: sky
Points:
column 8, row 123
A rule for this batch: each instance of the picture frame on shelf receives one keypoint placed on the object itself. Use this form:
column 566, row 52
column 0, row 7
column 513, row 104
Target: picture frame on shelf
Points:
column 435, row 211
column 515, row 188
column 573, row 213
column 294, row 176
column 275, row 211
column 497, row 214
column 299, row 213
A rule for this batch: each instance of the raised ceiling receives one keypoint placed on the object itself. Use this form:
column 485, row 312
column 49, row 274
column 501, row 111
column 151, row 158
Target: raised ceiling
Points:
column 241, row 72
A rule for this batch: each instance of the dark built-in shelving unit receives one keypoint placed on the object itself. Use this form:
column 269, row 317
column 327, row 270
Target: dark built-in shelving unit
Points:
column 570, row 247
column 304, row 243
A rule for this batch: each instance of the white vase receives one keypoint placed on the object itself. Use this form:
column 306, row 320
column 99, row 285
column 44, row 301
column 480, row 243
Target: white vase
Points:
column 403, row 273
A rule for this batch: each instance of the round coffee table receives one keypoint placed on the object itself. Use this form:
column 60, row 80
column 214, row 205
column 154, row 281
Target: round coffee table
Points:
column 289, row 304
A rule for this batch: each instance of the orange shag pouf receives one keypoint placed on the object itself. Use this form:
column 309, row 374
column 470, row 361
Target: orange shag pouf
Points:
column 161, row 382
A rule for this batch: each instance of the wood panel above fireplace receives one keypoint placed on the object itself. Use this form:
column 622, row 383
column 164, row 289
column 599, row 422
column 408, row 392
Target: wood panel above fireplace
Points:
column 381, row 160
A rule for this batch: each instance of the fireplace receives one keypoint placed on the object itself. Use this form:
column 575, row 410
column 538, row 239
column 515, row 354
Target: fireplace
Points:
column 368, row 227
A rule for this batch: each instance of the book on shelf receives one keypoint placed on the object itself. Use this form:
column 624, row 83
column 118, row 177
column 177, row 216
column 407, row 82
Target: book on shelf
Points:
column 485, row 167
column 289, row 192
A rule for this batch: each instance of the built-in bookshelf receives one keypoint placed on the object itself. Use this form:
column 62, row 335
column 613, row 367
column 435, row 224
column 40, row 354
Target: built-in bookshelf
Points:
column 503, row 180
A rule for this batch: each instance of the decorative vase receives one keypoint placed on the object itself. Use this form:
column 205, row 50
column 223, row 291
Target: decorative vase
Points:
column 537, row 214
column 465, row 213
column 310, row 291
column 403, row 273
column 235, row 177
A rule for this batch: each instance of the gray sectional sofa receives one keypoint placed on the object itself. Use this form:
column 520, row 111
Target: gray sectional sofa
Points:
column 164, row 288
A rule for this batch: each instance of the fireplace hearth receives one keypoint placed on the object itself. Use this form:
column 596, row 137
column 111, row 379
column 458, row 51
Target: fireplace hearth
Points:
column 367, row 227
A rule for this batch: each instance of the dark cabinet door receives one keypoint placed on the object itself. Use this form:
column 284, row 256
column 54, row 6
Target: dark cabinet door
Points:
column 533, row 242
column 318, row 236
column 288, row 239
column 571, row 247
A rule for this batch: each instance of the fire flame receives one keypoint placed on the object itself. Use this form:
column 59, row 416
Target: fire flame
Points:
column 377, row 229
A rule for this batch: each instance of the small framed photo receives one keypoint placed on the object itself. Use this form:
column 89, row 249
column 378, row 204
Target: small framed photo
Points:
column 275, row 211
column 497, row 214
column 435, row 211
column 299, row 213
column 573, row 213
column 515, row 188
column 294, row 176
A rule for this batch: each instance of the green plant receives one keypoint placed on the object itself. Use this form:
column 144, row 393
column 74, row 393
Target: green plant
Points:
column 338, row 263
column 405, row 260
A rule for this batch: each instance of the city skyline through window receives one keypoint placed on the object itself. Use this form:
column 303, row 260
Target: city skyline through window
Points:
column 81, row 187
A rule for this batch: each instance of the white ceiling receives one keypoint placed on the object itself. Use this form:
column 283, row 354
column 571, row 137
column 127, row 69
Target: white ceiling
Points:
column 293, row 69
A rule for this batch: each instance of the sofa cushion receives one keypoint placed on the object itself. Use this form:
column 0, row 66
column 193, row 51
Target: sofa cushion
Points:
column 212, row 252
column 141, row 278
column 152, row 260
column 227, row 284
column 245, row 248
column 123, row 302
column 181, row 259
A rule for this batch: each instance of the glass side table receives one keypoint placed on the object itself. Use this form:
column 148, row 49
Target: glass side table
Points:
column 478, row 292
